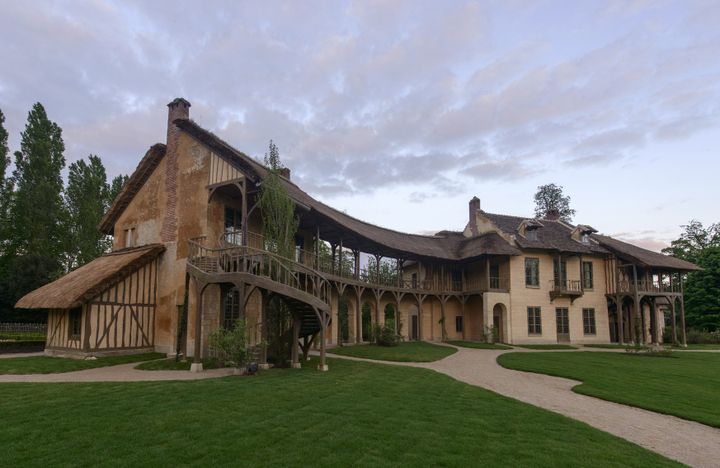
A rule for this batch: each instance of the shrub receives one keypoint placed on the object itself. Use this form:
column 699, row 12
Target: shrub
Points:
column 703, row 337
column 649, row 351
column 385, row 336
column 231, row 345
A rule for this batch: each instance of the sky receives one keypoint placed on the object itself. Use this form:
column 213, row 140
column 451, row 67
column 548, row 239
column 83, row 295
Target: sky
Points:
column 399, row 112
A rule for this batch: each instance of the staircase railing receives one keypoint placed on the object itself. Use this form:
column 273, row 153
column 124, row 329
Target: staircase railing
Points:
column 246, row 259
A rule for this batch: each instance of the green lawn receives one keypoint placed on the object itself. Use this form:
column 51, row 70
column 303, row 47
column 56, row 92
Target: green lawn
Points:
column 49, row 365
column 358, row 414
column 605, row 346
column 700, row 346
column 546, row 346
column 478, row 345
column 410, row 351
column 685, row 385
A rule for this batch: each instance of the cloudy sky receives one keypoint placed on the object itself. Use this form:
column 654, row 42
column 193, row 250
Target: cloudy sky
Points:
column 400, row 111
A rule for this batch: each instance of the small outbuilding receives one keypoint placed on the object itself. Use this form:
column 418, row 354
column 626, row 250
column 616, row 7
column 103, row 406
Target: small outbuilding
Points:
column 104, row 307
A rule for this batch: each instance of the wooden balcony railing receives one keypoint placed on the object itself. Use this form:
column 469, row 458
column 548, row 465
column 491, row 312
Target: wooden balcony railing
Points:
column 647, row 286
column 231, row 250
column 566, row 286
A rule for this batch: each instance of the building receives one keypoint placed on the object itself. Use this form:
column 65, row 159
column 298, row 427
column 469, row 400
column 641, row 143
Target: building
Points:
column 187, row 237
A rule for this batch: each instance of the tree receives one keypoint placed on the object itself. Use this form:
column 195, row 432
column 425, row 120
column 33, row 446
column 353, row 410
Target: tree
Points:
column 36, row 207
column 87, row 197
column 5, row 186
column 696, row 238
column 701, row 246
column 278, row 210
column 549, row 199
column 115, row 187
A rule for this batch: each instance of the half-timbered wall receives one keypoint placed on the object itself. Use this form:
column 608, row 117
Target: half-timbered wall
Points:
column 59, row 335
column 123, row 316
column 222, row 171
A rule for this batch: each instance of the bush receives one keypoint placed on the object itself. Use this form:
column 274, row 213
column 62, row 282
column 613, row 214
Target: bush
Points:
column 703, row 337
column 385, row 336
column 649, row 351
column 231, row 345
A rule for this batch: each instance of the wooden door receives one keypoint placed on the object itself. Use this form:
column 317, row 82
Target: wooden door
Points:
column 414, row 327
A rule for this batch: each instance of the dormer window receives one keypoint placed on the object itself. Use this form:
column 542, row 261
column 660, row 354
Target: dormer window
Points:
column 585, row 238
column 531, row 234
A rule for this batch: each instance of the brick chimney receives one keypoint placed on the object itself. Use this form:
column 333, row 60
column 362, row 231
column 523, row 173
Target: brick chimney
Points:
column 473, row 208
column 285, row 172
column 178, row 108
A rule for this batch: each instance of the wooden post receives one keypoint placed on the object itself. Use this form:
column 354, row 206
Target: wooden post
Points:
column 358, row 316
column 683, row 330
column 323, row 366
column 196, row 365
column 674, row 321
column 244, row 213
column 295, row 337
column 487, row 272
column 317, row 247
column 263, row 364
column 421, row 298
column 462, row 312
column 637, row 310
column 356, row 253
column 397, row 313
column 340, row 256
column 620, row 319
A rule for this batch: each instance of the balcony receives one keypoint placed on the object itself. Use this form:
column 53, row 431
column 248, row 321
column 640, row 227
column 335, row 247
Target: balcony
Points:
column 571, row 289
column 648, row 286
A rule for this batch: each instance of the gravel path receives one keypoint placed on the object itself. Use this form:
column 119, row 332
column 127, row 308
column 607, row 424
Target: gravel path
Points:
column 120, row 373
column 688, row 442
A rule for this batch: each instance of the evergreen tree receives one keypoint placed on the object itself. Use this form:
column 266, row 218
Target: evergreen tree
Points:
column 549, row 200
column 115, row 187
column 86, row 199
column 278, row 209
column 5, row 185
column 36, row 207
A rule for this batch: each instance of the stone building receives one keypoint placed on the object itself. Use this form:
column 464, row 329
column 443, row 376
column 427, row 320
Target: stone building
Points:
column 187, row 237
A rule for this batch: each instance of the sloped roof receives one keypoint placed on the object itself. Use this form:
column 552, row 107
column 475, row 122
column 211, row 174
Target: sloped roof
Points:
column 637, row 254
column 414, row 244
column 553, row 235
column 147, row 165
column 86, row 282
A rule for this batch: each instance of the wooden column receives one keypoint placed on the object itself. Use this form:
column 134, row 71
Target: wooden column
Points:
column 295, row 338
column 637, row 310
column 420, row 317
column 244, row 213
column 487, row 273
column 683, row 330
column 196, row 365
column 674, row 320
column 358, row 316
column 620, row 319
column 397, row 313
column 263, row 364
column 462, row 312
column 317, row 248
column 356, row 254
column 323, row 366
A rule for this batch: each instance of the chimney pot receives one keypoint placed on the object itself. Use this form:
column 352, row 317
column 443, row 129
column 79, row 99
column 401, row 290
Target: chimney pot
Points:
column 552, row 215
column 285, row 172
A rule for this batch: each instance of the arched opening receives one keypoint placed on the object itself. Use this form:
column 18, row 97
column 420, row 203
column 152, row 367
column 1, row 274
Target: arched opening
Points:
column 366, row 321
column 390, row 316
column 613, row 320
column 414, row 326
column 499, row 316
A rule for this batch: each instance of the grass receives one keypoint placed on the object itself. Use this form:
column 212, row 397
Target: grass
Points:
column 685, row 386
column 171, row 364
column 605, row 346
column 358, row 414
column 699, row 346
column 50, row 365
column 478, row 345
column 410, row 351
column 546, row 346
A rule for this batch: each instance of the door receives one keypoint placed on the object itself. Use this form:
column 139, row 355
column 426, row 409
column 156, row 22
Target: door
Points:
column 414, row 327
column 497, row 327
column 563, row 325
column 560, row 273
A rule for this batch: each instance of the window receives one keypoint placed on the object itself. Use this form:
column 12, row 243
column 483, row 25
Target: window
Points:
column 531, row 234
column 233, row 225
column 414, row 281
column 589, row 321
column 458, row 323
column 587, row 275
column 562, row 321
column 585, row 238
column 532, row 272
column 560, row 273
column 130, row 237
column 534, row 324
column 75, row 324
column 230, row 306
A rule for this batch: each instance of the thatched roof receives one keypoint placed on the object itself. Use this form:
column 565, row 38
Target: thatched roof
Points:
column 635, row 254
column 88, row 281
column 147, row 165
